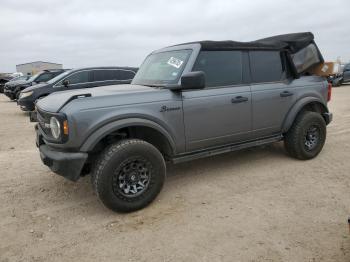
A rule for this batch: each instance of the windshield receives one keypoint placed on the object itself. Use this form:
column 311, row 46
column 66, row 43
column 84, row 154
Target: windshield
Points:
column 162, row 68
column 59, row 77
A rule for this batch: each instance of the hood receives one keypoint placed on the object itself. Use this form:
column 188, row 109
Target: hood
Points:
column 15, row 83
column 31, row 88
column 112, row 95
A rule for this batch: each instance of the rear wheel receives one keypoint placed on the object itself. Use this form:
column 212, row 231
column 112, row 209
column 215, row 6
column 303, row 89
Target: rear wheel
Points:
column 128, row 175
column 306, row 137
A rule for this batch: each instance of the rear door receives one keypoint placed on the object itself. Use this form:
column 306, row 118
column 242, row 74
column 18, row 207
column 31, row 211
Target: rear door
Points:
column 220, row 113
column 272, row 89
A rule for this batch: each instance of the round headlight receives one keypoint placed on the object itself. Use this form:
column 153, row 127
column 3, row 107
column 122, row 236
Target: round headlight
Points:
column 55, row 127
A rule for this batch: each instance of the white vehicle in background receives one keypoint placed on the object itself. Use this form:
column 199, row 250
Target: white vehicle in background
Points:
column 16, row 74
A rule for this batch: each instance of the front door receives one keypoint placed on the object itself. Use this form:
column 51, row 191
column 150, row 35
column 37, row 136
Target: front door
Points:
column 220, row 114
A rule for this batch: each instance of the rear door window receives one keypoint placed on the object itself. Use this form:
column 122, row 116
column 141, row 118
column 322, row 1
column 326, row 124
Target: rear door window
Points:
column 104, row 75
column 221, row 68
column 266, row 66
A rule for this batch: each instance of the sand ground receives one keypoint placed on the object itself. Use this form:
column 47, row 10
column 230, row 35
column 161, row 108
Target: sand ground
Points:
column 253, row 205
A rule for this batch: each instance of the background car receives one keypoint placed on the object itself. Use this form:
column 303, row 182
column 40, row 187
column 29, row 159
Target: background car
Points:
column 76, row 79
column 13, row 89
column 3, row 81
column 346, row 73
column 18, row 79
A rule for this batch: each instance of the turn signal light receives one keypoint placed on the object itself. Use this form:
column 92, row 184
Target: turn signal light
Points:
column 65, row 127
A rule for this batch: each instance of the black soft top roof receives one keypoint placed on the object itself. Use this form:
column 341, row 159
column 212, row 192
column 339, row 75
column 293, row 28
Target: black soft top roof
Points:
column 292, row 42
column 303, row 51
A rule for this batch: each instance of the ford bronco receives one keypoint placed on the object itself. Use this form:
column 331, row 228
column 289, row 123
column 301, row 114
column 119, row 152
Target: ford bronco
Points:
column 186, row 101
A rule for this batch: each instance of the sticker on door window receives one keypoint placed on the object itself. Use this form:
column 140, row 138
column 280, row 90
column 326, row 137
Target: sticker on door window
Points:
column 175, row 62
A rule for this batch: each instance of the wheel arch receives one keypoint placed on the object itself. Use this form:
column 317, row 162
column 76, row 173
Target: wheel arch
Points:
column 305, row 104
column 144, row 129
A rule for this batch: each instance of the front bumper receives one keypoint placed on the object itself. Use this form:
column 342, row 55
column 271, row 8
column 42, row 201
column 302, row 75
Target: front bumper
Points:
column 66, row 164
column 9, row 93
column 26, row 104
column 328, row 117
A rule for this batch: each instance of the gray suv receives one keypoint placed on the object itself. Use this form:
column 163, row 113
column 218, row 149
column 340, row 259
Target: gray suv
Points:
column 346, row 73
column 186, row 102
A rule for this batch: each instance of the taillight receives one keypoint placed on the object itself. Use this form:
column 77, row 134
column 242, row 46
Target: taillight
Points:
column 329, row 94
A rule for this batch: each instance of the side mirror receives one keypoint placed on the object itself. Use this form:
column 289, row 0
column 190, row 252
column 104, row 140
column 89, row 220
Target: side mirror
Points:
column 193, row 80
column 65, row 83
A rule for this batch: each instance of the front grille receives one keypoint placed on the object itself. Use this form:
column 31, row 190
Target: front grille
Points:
column 44, row 121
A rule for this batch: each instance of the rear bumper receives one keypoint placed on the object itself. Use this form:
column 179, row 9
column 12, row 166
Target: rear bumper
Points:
column 66, row 164
column 328, row 117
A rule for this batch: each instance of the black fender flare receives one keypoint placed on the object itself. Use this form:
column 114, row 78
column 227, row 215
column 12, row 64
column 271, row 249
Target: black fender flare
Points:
column 110, row 127
column 297, row 107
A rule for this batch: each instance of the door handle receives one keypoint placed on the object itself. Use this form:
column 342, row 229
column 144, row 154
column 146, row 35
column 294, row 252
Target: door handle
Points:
column 286, row 93
column 239, row 99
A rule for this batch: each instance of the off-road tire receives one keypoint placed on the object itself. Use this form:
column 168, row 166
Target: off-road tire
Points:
column 294, row 140
column 112, row 159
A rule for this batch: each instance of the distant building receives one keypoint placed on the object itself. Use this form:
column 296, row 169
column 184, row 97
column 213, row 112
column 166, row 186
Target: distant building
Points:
column 35, row 67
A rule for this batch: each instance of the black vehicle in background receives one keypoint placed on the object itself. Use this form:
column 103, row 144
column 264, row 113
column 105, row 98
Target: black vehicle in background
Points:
column 12, row 89
column 3, row 81
column 14, row 80
column 76, row 79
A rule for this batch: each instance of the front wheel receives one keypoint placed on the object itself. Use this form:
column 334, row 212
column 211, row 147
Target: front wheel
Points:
column 306, row 137
column 17, row 95
column 128, row 175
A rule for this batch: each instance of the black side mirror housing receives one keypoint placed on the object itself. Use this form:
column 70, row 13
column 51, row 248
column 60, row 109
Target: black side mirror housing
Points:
column 193, row 80
column 65, row 83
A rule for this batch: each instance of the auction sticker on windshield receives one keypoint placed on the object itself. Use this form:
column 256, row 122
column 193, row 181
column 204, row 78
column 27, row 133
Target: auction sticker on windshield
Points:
column 175, row 62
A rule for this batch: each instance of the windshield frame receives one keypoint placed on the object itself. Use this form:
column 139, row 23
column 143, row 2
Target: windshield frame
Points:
column 165, row 83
